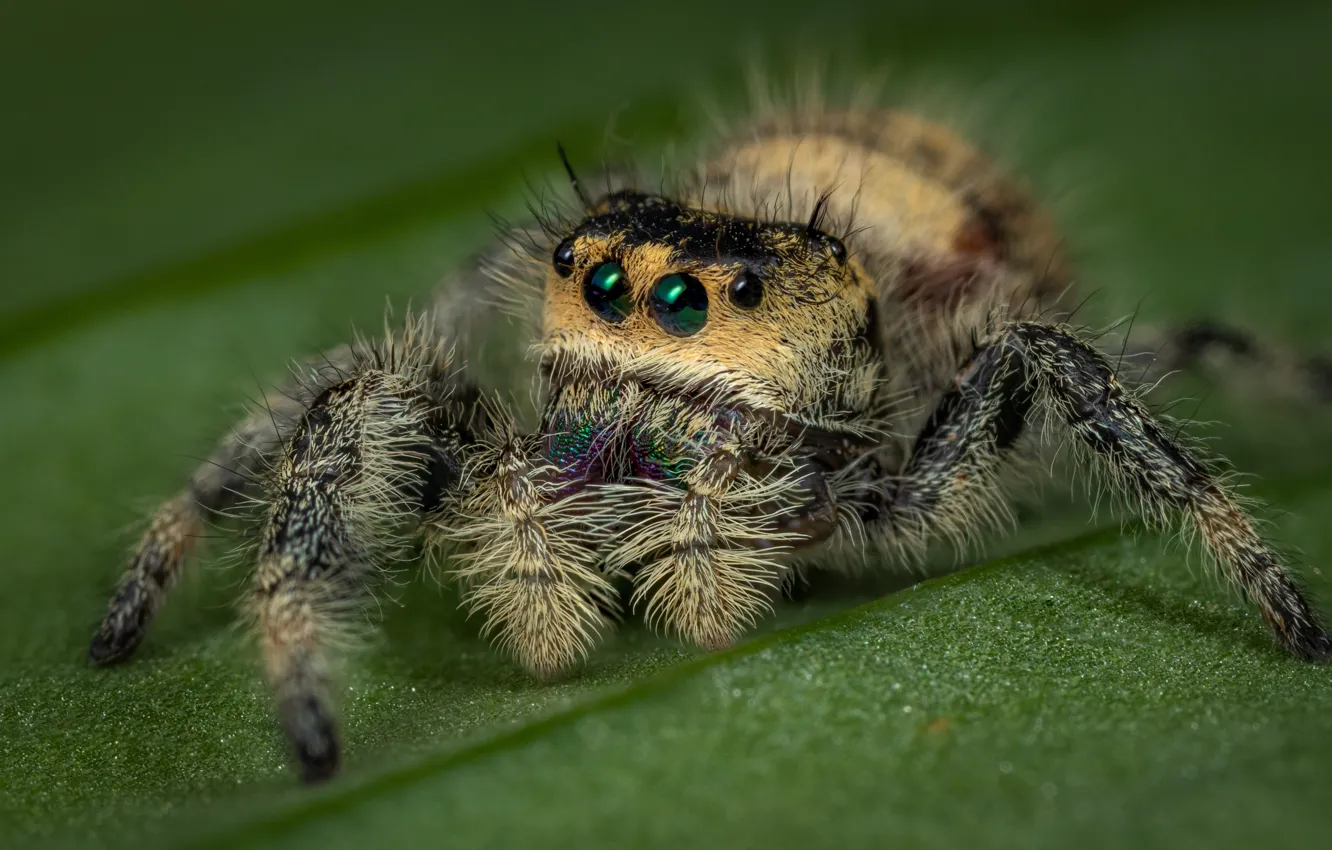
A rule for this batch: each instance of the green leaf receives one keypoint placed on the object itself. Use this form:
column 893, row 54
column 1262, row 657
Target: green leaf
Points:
column 1095, row 690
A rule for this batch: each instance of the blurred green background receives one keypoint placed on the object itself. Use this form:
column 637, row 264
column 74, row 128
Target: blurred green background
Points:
column 191, row 194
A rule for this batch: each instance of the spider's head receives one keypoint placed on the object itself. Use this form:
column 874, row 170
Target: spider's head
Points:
column 695, row 301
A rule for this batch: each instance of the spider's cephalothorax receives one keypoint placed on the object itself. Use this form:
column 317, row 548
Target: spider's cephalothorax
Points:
column 704, row 303
column 731, row 373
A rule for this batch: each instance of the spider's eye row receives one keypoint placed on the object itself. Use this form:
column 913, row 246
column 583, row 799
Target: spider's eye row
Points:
column 746, row 290
column 679, row 301
column 564, row 258
column 606, row 291
column 680, row 304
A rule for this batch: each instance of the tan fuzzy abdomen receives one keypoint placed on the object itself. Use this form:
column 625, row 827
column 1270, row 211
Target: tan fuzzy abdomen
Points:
column 927, row 214
column 903, row 208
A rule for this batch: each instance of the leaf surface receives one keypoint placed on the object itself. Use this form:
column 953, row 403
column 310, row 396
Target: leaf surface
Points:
column 1097, row 690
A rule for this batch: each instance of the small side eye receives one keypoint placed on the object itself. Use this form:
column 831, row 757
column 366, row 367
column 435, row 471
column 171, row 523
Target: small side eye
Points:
column 606, row 291
column 564, row 258
column 680, row 304
column 838, row 248
column 746, row 290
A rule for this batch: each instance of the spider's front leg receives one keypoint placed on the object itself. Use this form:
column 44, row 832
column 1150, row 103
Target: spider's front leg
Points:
column 950, row 481
column 375, row 437
column 369, row 457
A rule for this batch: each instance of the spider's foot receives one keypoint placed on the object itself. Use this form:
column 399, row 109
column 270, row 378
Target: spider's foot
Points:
column 123, row 629
column 108, row 648
column 310, row 730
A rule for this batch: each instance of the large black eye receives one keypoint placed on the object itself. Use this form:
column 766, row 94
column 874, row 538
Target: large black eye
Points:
column 564, row 258
column 746, row 290
column 680, row 304
column 606, row 291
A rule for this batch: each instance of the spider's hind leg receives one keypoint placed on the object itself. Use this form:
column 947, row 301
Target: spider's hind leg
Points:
column 1221, row 351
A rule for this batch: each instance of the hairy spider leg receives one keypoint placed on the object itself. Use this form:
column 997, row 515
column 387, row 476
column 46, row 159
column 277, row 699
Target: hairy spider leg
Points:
column 951, row 477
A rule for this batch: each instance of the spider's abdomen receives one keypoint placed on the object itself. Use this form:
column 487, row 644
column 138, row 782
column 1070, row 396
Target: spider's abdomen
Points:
column 945, row 236
column 920, row 198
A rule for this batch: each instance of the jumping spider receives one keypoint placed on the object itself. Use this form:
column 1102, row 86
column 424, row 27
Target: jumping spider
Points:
column 730, row 375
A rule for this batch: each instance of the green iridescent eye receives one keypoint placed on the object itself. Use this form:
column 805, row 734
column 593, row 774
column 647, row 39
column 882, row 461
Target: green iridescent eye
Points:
column 680, row 304
column 606, row 291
